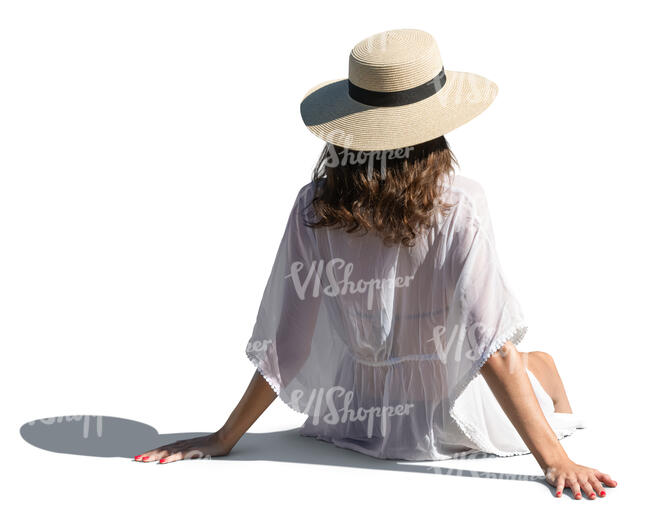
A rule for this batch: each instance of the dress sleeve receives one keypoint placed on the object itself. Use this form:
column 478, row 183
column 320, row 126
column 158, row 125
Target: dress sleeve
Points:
column 483, row 315
column 283, row 331
column 483, row 312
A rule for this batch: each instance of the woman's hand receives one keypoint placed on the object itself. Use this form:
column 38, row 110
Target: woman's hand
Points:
column 195, row 448
column 257, row 398
column 572, row 475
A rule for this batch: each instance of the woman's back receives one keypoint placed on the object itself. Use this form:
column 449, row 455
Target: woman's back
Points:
column 358, row 324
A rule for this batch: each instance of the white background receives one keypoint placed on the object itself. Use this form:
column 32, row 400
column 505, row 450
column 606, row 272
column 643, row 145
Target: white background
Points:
column 149, row 155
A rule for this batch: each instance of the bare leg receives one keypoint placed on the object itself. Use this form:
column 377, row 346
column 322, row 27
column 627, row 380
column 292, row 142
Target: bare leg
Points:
column 257, row 398
column 543, row 366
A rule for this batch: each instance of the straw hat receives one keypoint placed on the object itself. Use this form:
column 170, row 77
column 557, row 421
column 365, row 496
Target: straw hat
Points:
column 397, row 94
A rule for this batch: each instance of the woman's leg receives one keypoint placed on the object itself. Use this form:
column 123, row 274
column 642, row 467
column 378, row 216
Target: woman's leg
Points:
column 542, row 365
column 257, row 398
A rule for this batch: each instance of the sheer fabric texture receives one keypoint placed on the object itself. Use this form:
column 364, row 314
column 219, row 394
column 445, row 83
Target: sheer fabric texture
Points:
column 381, row 346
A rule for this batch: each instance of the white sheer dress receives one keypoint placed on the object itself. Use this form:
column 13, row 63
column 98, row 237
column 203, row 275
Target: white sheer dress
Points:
column 380, row 346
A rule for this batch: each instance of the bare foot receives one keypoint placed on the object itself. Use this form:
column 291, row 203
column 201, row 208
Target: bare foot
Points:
column 203, row 447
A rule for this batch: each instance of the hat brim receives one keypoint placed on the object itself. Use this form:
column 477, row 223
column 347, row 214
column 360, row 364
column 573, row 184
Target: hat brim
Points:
column 331, row 114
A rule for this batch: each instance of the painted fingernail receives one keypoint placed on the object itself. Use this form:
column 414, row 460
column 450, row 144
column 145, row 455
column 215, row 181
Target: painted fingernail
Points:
column 145, row 458
column 602, row 493
column 162, row 461
column 559, row 493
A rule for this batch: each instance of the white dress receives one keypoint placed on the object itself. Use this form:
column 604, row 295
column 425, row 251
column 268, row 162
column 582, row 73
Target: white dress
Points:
column 380, row 346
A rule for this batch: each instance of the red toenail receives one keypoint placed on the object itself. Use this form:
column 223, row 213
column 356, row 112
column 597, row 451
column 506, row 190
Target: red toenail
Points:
column 137, row 457
column 559, row 493
column 162, row 460
column 593, row 495
column 145, row 458
column 602, row 493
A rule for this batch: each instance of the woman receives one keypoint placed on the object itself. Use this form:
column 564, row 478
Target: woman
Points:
column 387, row 319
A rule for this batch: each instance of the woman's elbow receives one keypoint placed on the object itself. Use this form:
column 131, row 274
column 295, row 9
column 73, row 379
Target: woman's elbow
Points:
column 506, row 360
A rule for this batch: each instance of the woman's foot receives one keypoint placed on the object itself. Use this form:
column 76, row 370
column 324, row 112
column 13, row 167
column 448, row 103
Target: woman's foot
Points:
column 207, row 446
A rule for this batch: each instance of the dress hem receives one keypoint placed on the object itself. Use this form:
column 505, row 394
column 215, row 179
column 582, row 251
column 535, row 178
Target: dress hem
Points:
column 272, row 383
column 515, row 334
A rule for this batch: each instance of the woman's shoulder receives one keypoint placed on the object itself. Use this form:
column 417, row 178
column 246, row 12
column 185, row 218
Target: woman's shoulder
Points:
column 307, row 190
column 466, row 190
column 305, row 196
column 468, row 200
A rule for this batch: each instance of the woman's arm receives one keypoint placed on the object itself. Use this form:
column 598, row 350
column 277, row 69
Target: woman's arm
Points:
column 257, row 398
column 506, row 376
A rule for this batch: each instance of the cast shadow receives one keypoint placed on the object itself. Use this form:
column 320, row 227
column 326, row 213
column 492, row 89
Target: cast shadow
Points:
column 102, row 436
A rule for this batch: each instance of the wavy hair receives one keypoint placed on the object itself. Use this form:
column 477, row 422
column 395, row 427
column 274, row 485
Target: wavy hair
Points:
column 395, row 192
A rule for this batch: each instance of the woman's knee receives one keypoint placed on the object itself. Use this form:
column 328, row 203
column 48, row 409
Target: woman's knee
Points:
column 542, row 356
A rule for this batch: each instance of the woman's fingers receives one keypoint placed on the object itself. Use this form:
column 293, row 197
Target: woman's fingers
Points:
column 575, row 487
column 179, row 455
column 153, row 455
column 194, row 448
column 189, row 453
column 582, row 480
column 586, row 487
column 606, row 479
column 598, row 488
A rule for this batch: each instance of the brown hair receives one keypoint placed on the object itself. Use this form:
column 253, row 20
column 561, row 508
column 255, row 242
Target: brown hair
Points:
column 395, row 192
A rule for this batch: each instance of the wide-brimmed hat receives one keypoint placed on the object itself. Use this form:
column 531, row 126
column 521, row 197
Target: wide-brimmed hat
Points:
column 397, row 94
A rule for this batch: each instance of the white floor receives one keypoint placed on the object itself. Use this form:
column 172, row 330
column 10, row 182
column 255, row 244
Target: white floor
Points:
column 282, row 475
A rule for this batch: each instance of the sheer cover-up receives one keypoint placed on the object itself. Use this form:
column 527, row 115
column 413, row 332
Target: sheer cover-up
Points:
column 381, row 346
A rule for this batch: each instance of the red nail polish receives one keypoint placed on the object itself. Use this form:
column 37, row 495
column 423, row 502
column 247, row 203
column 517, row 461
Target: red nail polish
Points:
column 145, row 458
column 602, row 493
column 162, row 461
column 593, row 495
column 559, row 493
column 578, row 496
column 137, row 457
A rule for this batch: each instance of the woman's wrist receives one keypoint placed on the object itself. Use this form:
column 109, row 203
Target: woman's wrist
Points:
column 552, row 459
column 224, row 438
